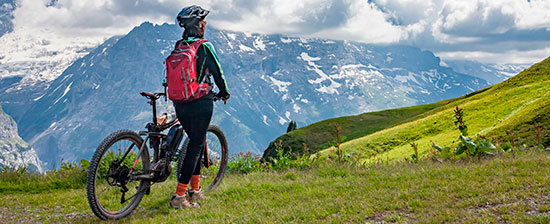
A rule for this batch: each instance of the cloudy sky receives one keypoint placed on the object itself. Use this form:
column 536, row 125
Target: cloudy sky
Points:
column 496, row 31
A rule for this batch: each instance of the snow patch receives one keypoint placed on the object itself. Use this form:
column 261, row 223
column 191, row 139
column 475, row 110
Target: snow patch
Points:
column 282, row 86
column 305, row 57
column 265, row 120
column 403, row 79
column 245, row 48
column 330, row 89
column 53, row 124
column 296, row 108
column 282, row 121
column 40, row 97
column 259, row 44
column 64, row 93
column 286, row 41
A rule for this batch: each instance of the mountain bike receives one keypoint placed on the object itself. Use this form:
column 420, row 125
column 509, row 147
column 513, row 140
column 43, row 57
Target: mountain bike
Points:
column 124, row 165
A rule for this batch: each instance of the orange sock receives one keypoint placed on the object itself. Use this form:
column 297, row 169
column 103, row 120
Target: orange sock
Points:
column 195, row 182
column 181, row 189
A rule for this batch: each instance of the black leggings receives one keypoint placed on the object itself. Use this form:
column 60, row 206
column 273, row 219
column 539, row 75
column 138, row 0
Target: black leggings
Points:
column 194, row 117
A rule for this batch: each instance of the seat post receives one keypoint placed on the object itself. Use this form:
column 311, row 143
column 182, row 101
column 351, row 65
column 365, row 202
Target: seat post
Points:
column 154, row 104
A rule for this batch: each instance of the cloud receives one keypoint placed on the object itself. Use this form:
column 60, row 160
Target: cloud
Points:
column 439, row 25
column 100, row 18
column 511, row 56
column 475, row 27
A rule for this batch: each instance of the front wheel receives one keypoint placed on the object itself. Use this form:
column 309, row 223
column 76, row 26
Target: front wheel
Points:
column 214, row 162
column 112, row 192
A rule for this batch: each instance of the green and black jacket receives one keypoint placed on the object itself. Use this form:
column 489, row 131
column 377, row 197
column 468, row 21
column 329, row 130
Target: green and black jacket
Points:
column 209, row 66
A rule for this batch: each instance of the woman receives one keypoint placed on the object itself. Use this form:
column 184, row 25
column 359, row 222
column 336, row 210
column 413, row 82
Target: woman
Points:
column 195, row 116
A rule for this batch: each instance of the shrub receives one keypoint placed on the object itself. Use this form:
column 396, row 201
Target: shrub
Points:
column 338, row 139
column 467, row 146
column 70, row 175
column 247, row 162
column 244, row 163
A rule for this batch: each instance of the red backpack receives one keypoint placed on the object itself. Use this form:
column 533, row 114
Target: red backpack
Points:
column 181, row 74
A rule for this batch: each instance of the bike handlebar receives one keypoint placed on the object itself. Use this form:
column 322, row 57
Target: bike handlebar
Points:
column 155, row 96
column 220, row 99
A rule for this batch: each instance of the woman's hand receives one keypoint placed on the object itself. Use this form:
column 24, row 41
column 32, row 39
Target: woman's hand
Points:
column 223, row 96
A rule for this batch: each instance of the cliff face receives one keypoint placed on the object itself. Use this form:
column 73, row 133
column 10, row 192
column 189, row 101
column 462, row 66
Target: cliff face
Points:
column 14, row 152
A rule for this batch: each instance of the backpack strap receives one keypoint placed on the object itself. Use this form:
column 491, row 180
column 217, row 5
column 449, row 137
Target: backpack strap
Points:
column 178, row 44
column 195, row 45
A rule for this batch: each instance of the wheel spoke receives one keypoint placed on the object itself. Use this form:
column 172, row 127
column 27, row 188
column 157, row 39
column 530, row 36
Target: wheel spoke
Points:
column 211, row 175
column 112, row 191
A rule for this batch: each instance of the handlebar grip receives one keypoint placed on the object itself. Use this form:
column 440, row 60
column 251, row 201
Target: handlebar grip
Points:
column 146, row 94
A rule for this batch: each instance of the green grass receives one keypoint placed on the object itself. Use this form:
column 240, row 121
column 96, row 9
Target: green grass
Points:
column 69, row 176
column 507, row 188
column 316, row 136
column 520, row 104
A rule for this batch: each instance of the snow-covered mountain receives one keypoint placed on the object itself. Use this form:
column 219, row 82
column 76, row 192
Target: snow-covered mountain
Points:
column 30, row 60
column 492, row 73
column 272, row 78
column 14, row 152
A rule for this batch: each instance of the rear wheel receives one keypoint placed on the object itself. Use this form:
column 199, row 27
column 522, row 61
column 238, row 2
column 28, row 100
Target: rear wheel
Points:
column 112, row 193
column 214, row 162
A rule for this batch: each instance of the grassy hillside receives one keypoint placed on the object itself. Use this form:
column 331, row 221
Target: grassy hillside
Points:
column 520, row 105
column 505, row 189
column 316, row 136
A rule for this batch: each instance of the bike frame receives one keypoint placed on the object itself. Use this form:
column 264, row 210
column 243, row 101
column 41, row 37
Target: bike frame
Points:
column 153, row 135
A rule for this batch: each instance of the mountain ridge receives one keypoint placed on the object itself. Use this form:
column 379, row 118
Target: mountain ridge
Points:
column 273, row 79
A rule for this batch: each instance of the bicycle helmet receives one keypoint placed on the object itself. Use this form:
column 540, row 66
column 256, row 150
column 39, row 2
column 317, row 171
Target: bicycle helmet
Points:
column 191, row 15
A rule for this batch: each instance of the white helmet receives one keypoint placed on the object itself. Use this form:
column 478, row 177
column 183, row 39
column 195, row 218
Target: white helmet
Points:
column 191, row 15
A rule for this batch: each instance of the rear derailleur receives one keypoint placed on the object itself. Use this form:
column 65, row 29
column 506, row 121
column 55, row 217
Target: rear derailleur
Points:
column 118, row 176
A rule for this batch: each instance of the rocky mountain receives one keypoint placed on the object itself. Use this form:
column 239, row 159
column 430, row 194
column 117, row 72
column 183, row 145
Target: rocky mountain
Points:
column 31, row 58
column 272, row 78
column 14, row 152
column 492, row 73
